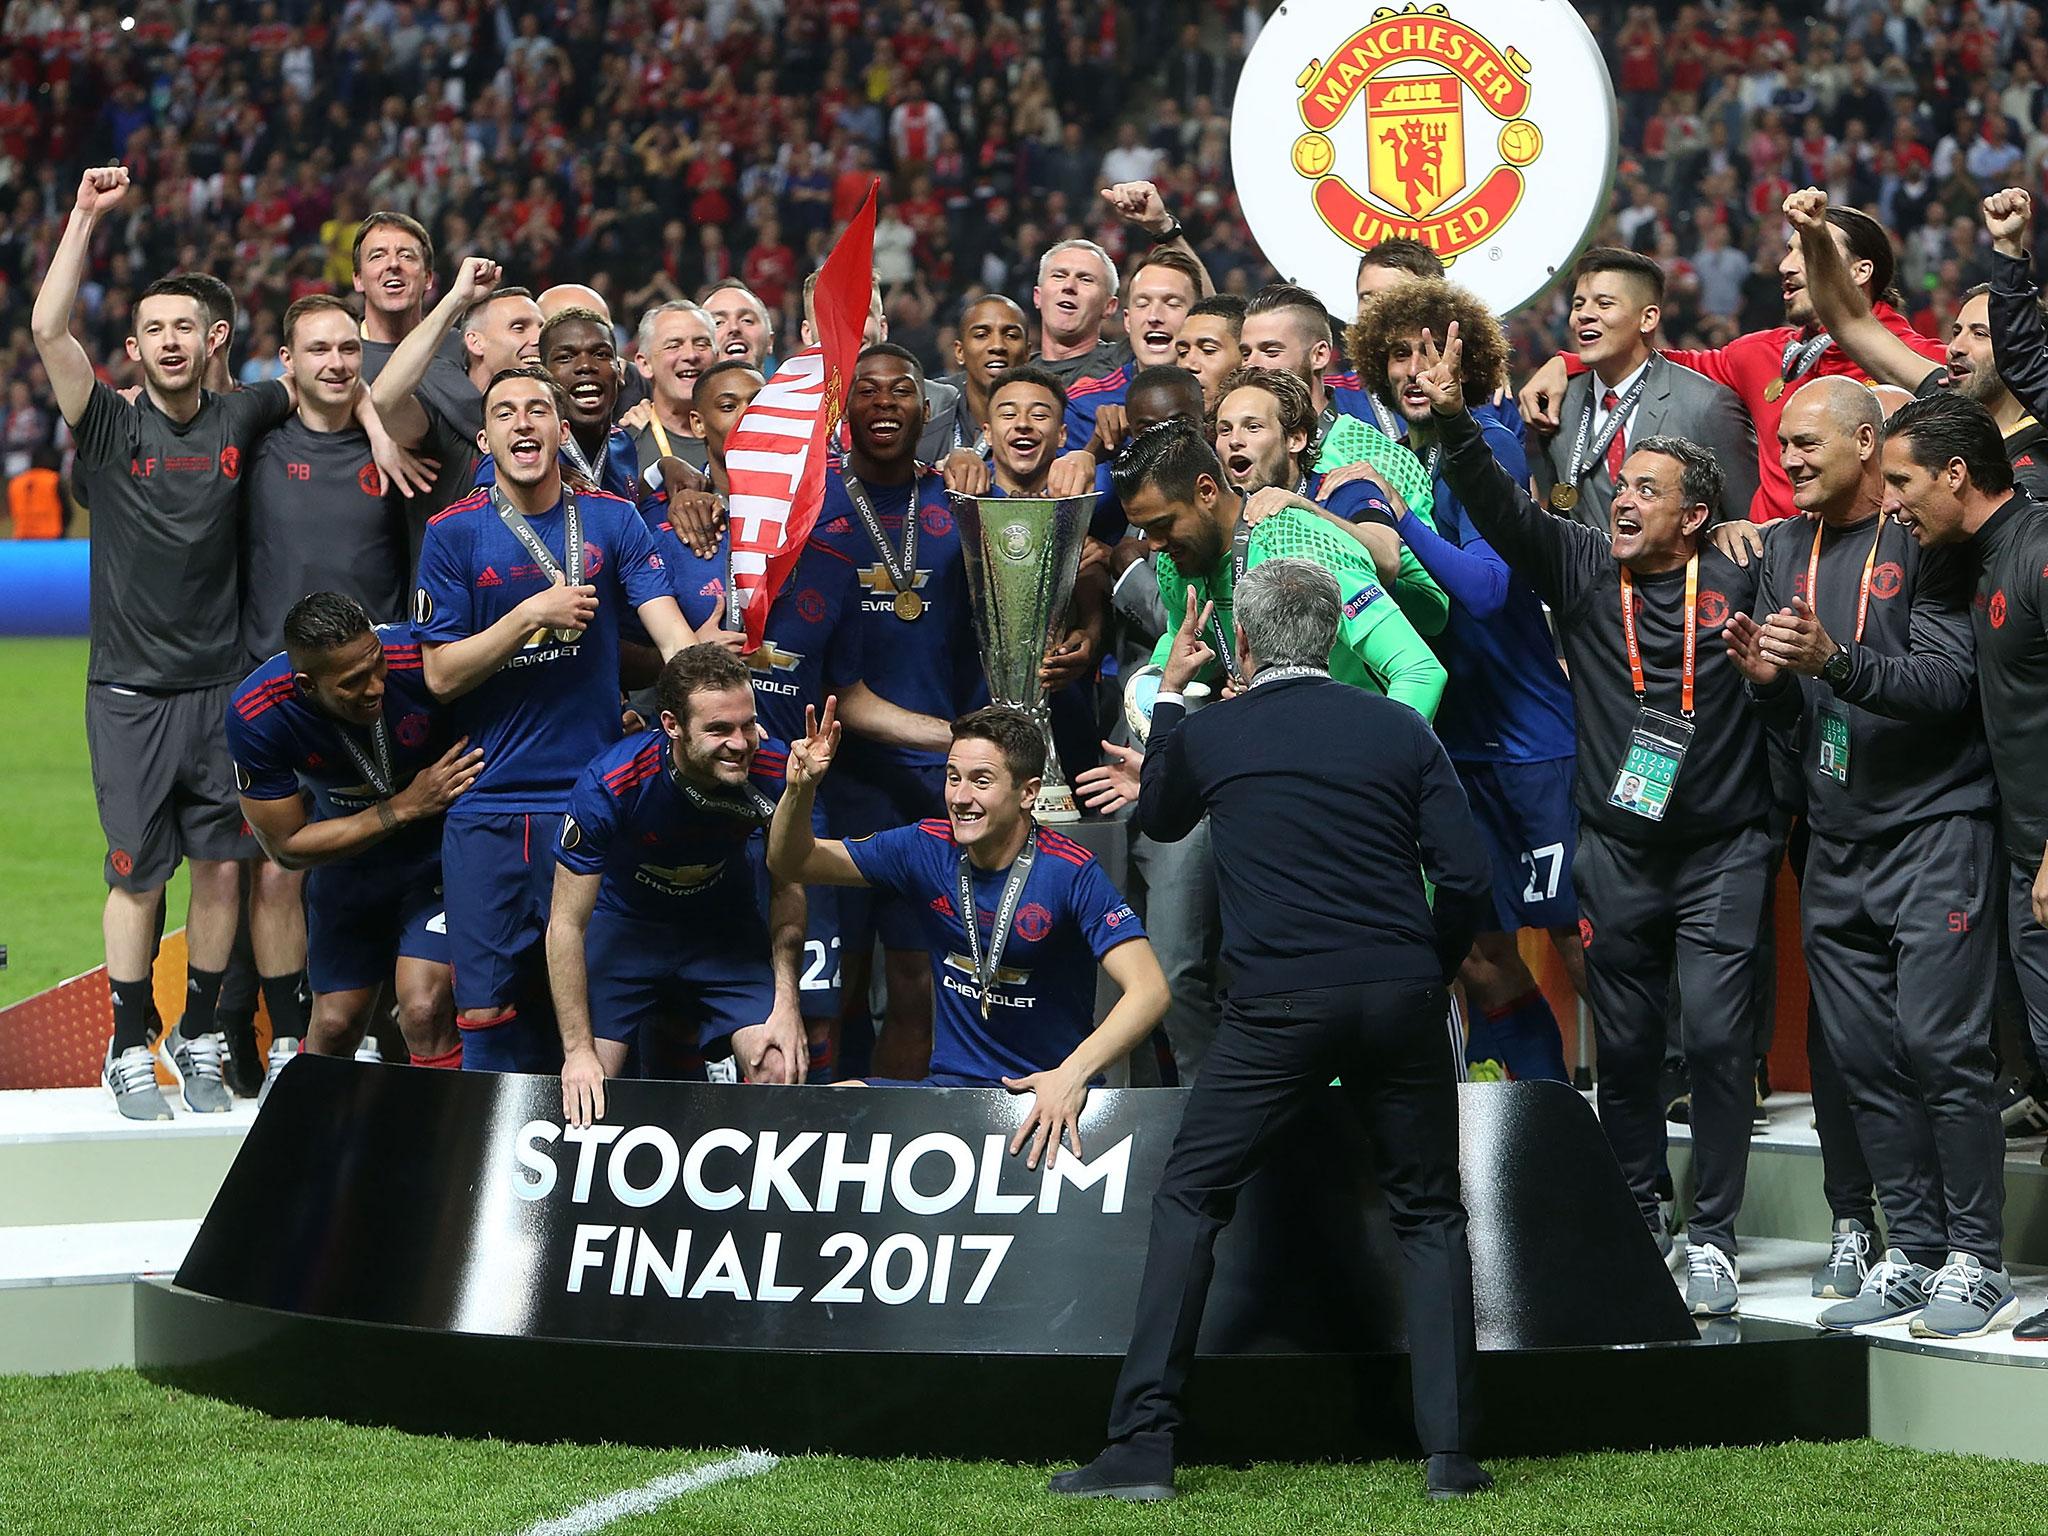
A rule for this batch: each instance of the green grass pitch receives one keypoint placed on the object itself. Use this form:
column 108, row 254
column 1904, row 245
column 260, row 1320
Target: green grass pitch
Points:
column 110, row 1452
column 51, row 852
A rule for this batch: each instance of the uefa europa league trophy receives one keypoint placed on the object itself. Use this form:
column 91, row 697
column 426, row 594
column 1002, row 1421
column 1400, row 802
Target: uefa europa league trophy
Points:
column 1022, row 556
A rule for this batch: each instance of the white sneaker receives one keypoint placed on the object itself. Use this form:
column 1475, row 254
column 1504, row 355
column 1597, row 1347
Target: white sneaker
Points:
column 368, row 1051
column 199, row 1063
column 1710, row 1281
column 282, row 1049
column 131, row 1079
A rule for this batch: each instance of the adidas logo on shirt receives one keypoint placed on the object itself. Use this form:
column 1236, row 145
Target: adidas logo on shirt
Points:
column 490, row 577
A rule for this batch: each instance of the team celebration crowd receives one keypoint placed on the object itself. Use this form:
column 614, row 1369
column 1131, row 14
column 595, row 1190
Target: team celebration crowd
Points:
column 395, row 355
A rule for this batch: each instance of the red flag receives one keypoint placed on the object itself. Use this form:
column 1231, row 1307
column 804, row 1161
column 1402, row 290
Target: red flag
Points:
column 775, row 456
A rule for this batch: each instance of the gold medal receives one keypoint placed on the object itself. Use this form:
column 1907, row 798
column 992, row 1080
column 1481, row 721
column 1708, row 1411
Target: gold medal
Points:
column 909, row 606
column 1774, row 389
column 1563, row 497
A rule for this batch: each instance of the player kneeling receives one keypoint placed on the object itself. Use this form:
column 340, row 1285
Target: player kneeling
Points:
column 1015, row 984
column 657, row 944
column 343, row 714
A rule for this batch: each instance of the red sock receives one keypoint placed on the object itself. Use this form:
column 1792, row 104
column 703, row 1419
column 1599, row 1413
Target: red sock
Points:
column 447, row 1060
column 492, row 1023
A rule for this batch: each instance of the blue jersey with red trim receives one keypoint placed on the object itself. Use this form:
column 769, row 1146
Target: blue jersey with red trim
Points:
column 282, row 743
column 555, row 704
column 665, row 856
column 1068, row 917
column 1085, row 397
column 929, row 664
column 812, row 644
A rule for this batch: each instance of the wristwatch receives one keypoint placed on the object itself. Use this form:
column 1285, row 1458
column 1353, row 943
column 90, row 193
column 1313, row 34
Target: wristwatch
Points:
column 1173, row 231
column 1835, row 670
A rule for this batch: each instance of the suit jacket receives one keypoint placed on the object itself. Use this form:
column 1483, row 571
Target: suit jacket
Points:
column 1675, row 403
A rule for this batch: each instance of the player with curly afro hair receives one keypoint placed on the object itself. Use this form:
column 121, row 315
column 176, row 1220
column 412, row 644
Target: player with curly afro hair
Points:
column 1388, row 334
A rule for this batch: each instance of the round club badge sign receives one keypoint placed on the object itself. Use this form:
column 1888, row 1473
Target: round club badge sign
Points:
column 1485, row 129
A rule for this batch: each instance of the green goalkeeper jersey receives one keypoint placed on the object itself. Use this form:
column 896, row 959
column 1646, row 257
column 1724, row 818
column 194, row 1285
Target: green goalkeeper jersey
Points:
column 1376, row 648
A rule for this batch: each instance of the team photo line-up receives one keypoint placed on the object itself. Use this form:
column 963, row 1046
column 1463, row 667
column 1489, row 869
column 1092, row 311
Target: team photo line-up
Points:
column 428, row 659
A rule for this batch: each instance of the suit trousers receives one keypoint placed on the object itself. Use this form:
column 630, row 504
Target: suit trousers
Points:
column 1389, row 1042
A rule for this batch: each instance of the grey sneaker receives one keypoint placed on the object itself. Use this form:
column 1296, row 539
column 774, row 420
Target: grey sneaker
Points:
column 1841, row 1277
column 1965, row 1299
column 131, row 1079
column 199, row 1063
column 368, row 1051
column 1894, row 1287
column 1660, row 1233
column 1710, row 1281
column 282, row 1049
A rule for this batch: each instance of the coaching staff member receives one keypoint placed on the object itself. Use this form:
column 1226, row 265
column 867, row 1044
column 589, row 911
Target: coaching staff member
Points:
column 1672, row 791
column 1327, row 805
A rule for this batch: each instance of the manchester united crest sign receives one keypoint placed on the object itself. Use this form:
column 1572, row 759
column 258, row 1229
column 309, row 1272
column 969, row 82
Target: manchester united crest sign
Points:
column 1483, row 128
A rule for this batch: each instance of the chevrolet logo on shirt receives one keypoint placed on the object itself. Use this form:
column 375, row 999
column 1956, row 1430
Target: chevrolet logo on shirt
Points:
column 876, row 579
column 770, row 657
column 1006, row 975
column 678, row 879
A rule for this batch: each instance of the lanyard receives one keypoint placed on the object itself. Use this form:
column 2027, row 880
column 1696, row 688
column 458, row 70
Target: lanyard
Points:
column 378, row 773
column 1324, row 422
column 1586, row 451
column 1797, row 359
column 522, row 530
column 1862, row 588
column 1274, row 674
column 1692, row 633
column 735, row 600
column 902, row 568
column 749, row 804
column 580, row 461
column 985, row 964
column 1240, row 557
column 660, row 435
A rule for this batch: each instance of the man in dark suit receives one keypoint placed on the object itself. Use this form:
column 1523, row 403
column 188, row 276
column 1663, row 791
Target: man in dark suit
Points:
column 1616, row 302
column 1327, row 806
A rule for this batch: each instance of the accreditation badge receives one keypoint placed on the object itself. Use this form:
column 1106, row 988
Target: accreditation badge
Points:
column 1834, row 742
column 1649, row 773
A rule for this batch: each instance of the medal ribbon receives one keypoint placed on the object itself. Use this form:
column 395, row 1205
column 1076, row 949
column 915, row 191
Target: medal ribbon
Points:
column 1240, row 557
column 1585, row 451
column 748, row 804
column 1692, row 634
column 378, row 773
column 1397, row 428
column 1862, row 588
column 902, row 568
column 1801, row 356
column 985, row 965
column 572, row 543
column 1274, row 674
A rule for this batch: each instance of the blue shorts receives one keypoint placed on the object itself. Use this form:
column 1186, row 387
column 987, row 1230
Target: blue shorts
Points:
column 498, row 871
column 1531, row 829
column 361, row 916
column 874, row 797
column 642, row 979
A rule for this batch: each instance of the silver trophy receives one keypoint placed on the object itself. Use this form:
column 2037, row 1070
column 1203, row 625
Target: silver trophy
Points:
column 1022, row 557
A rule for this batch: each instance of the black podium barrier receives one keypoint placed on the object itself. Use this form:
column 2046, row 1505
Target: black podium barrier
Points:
column 868, row 1270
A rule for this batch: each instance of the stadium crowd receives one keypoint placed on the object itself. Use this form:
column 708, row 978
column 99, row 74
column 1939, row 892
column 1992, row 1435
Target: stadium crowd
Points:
column 397, row 375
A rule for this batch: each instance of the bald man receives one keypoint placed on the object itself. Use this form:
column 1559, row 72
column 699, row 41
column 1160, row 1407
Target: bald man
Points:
column 1860, row 659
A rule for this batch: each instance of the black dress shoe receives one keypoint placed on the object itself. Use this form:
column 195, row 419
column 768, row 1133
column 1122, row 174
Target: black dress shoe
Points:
column 1138, row 1470
column 1455, row 1476
column 2032, row 1330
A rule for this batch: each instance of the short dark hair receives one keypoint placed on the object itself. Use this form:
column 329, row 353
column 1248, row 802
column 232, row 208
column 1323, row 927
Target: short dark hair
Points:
column 723, row 366
column 1699, row 478
column 1291, row 400
column 1400, row 254
column 1173, row 261
column 1228, row 305
column 1615, row 258
column 312, row 304
column 974, row 301
column 1013, row 732
column 724, row 283
column 1868, row 241
column 1171, row 455
column 706, row 668
column 385, row 218
column 1170, row 378
column 1940, row 429
column 890, row 349
column 469, row 315
column 538, row 375
column 1278, row 296
column 186, row 285
column 572, row 315
column 320, row 621
column 1030, row 373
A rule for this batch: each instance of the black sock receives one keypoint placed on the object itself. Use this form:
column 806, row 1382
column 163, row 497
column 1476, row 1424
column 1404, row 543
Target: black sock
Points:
column 202, row 1002
column 131, row 1013
column 288, row 1001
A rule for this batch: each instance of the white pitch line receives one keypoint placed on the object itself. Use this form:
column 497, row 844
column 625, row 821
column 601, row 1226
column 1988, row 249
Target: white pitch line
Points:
column 599, row 1513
